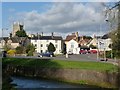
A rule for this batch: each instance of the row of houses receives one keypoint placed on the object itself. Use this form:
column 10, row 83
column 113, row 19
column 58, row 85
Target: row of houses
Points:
column 72, row 43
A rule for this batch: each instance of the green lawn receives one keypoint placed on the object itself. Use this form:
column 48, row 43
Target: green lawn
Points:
column 61, row 64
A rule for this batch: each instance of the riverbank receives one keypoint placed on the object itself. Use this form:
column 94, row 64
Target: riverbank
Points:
column 90, row 73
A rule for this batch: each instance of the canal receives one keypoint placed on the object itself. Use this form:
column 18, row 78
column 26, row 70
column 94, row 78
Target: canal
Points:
column 23, row 82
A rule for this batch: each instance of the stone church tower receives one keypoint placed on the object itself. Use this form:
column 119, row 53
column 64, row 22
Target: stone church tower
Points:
column 16, row 27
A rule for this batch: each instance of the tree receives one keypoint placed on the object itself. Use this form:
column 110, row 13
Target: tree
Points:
column 87, row 37
column 111, row 14
column 51, row 48
column 30, row 49
column 20, row 50
column 21, row 33
column 7, row 47
column 93, row 47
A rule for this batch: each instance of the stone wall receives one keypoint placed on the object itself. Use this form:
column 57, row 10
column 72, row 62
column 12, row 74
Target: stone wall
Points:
column 69, row 75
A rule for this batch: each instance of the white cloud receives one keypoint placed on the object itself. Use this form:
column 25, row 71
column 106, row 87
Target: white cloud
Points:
column 66, row 18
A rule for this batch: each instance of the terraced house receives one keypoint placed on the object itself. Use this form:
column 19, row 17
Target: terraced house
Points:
column 41, row 43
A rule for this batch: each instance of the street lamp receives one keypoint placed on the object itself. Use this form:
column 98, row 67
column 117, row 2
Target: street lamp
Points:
column 110, row 30
column 2, row 39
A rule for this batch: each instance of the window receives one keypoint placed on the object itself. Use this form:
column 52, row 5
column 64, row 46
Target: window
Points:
column 56, row 46
column 35, row 45
column 72, row 45
column 46, row 45
column 56, row 41
column 47, row 41
column 41, row 45
column 41, row 51
column 35, row 40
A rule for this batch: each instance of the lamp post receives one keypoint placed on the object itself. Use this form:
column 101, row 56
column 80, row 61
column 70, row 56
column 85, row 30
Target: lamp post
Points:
column 2, row 46
column 2, row 39
column 110, row 25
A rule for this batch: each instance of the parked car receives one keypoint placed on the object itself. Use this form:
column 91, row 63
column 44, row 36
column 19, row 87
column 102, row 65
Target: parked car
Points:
column 83, row 51
column 93, row 51
column 46, row 54
column 70, row 52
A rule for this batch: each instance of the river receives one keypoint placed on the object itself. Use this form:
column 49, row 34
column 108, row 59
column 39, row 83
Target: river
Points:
column 23, row 82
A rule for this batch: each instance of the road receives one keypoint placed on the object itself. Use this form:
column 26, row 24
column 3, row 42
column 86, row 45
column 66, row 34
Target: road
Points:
column 79, row 57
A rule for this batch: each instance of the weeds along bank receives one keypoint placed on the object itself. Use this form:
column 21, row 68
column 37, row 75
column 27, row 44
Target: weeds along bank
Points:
column 91, row 73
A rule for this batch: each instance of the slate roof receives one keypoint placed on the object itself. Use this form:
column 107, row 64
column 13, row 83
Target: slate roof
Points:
column 69, row 37
column 106, row 36
column 14, row 39
column 47, row 38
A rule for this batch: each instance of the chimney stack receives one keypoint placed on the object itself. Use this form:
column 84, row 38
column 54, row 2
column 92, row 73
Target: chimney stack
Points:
column 76, row 34
column 42, row 34
column 52, row 34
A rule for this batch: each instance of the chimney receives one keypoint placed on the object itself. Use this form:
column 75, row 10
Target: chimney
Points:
column 42, row 34
column 76, row 34
column 82, row 38
column 52, row 35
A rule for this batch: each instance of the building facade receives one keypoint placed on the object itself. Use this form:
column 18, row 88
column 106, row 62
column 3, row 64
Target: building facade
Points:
column 73, row 47
column 42, row 43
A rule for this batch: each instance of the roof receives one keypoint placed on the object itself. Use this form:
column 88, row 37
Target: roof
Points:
column 69, row 37
column 14, row 39
column 106, row 36
column 47, row 38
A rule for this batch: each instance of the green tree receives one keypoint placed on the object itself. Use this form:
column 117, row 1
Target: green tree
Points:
column 87, row 37
column 20, row 50
column 7, row 47
column 113, row 20
column 30, row 49
column 92, row 46
column 21, row 33
column 51, row 48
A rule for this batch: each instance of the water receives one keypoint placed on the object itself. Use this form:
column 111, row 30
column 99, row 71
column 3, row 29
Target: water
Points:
column 41, row 83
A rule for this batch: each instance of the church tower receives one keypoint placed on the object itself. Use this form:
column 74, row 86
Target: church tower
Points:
column 16, row 27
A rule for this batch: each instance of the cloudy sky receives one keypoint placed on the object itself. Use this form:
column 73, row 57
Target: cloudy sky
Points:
column 62, row 18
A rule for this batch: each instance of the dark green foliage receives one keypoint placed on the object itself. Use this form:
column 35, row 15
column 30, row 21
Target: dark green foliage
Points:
column 7, row 47
column 21, row 33
column 30, row 49
column 20, row 50
column 51, row 48
column 92, row 46
column 108, row 54
column 116, row 43
column 87, row 37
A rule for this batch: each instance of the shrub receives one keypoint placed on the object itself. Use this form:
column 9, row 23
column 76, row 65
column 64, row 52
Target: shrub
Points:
column 11, row 52
column 30, row 53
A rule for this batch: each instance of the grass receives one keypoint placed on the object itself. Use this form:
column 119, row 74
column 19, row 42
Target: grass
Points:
column 64, row 64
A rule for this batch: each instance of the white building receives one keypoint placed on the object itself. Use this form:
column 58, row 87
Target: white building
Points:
column 42, row 43
column 72, row 46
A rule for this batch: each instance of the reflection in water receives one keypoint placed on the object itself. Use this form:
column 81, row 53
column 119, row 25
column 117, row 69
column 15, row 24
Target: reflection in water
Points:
column 34, row 83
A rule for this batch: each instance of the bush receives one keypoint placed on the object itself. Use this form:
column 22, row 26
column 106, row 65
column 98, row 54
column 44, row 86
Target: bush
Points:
column 11, row 52
column 30, row 53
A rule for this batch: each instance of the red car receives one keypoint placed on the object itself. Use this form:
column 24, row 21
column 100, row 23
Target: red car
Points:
column 93, row 51
column 83, row 52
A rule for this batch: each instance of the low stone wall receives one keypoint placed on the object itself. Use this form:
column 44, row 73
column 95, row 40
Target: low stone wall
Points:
column 104, row 79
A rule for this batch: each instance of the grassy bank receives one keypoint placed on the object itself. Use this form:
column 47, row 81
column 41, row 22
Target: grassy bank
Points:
column 46, row 63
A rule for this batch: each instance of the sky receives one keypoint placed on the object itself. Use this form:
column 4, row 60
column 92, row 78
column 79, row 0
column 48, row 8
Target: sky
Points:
column 62, row 18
